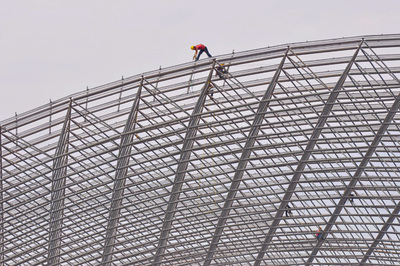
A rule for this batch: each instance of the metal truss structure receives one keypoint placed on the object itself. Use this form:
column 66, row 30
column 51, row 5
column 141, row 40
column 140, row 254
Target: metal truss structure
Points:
column 233, row 160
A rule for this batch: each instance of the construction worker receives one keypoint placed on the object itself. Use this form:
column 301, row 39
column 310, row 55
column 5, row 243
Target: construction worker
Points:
column 220, row 71
column 200, row 47
column 288, row 211
column 211, row 90
column 318, row 235
column 351, row 198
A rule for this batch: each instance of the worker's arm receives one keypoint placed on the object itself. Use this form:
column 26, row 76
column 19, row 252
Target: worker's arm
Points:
column 195, row 54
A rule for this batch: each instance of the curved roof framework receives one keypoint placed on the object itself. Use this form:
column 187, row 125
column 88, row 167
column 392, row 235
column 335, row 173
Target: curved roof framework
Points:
column 197, row 163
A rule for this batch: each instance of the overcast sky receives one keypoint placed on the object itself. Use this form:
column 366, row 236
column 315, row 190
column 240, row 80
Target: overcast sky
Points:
column 50, row 49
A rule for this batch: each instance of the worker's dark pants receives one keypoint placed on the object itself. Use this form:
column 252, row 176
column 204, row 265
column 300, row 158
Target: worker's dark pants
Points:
column 201, row 51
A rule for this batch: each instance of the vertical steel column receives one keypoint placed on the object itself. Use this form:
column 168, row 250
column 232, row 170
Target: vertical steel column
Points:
column 306, row 155
column 1, row 198
column 125, row 149
column 237, row 178
column 58, row 192
column 356, row 177
column 181, row 171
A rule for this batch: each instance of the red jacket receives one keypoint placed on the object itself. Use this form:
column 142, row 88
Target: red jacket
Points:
column 200, row 47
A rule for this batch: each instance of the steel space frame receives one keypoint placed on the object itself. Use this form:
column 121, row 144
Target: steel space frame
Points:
column 232, row 160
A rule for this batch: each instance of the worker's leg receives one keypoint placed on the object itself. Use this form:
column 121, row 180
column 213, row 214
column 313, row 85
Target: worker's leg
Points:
column 198, row 56
column 205, row 49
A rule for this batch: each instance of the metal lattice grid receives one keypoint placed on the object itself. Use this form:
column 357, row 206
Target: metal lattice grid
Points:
column 188, row 165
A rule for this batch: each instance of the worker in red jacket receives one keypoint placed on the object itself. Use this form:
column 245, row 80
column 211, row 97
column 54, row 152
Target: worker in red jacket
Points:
column 202, row 48
column 318, row 235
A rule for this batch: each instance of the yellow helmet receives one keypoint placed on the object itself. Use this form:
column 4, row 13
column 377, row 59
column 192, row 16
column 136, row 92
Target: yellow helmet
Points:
column 192, row 47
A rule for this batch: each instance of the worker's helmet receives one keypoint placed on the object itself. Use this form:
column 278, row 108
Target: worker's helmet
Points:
column 192, row 47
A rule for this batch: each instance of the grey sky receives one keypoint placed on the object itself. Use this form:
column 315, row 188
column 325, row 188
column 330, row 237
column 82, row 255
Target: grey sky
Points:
column 50, row 49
